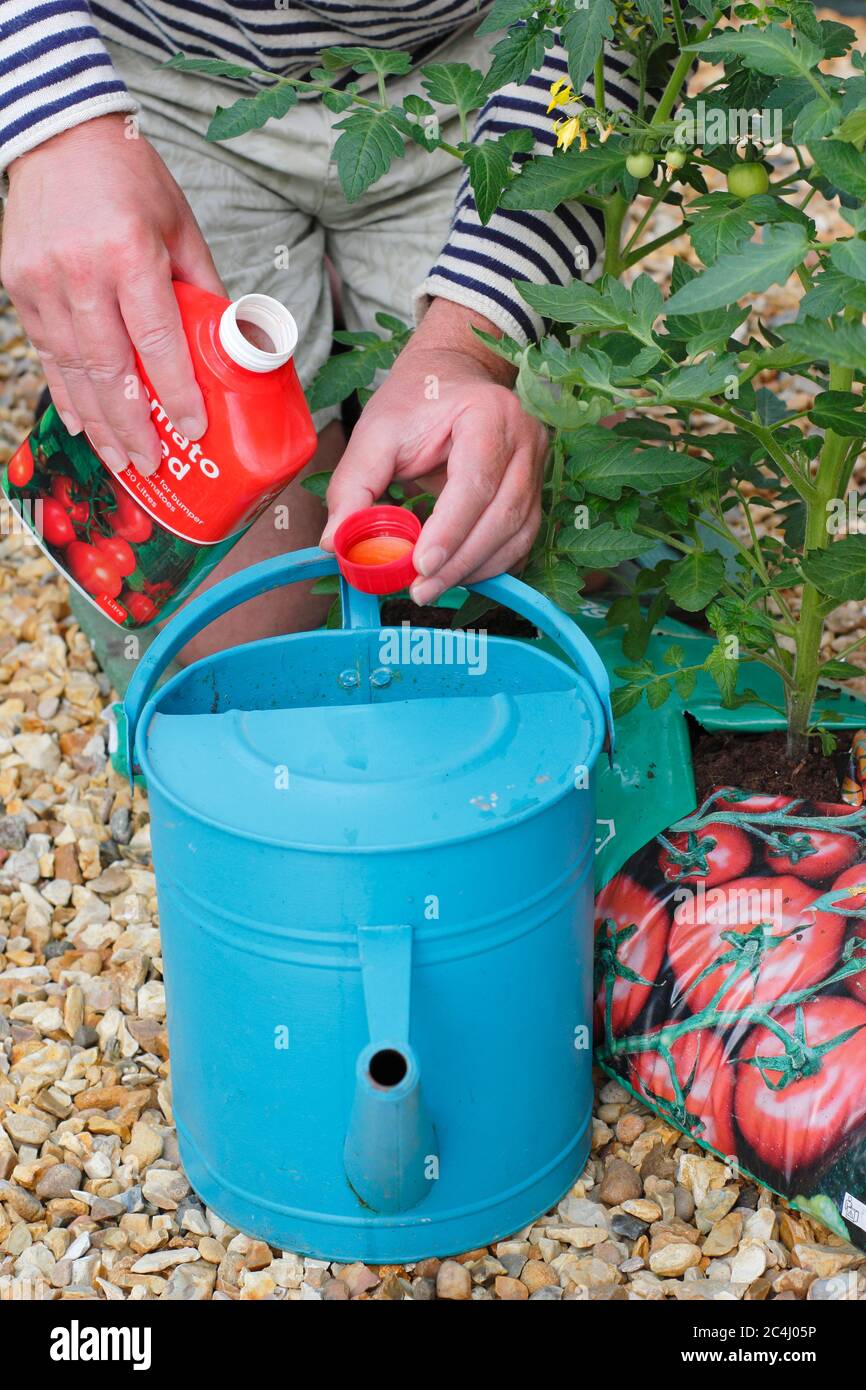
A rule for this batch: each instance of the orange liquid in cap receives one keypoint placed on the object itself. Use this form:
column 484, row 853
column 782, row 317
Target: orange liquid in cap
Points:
column 379, row 550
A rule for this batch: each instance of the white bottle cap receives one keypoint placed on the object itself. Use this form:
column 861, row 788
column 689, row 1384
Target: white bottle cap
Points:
column 269, row 315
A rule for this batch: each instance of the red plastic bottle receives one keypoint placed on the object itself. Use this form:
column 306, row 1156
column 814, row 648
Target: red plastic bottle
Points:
column 180, row 521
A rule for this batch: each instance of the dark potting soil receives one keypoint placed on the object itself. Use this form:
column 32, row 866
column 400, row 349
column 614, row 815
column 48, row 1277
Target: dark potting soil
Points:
column 497, row 621
column 757, row 762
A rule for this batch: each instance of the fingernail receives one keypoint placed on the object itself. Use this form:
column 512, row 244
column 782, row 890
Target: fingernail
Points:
column 192, row 426
column 72, row 422
column 425, row 593
column 144, row 465
column 327, row 537
column 114, row 459
column 430, row 561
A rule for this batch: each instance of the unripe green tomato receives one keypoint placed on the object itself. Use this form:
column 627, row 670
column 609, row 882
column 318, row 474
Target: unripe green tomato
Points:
column 640, row 166
column 675, row 159
column 748, row 180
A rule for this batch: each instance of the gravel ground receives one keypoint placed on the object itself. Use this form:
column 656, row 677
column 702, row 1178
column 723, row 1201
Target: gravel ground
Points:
column 93, row 1201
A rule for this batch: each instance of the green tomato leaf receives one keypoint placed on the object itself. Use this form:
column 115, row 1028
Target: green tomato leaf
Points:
column 346, row 372
column 518, row 54
column 369, row 143
column 454, row 84
column 849, row 257
column 774, row 51
column 489, row 165
column 583, row 34
column 696, row 579
column 816, row 341
column 753, row 268
column 840, row 570
column 551, row 179
column 840, row 411
column 605, row 464
column 837, row 670
column 213, row 67
column 603, row 546
column 720, row 226
column 841, row 163
column 505, row 13
column 249, row 113
column 724, row 670
column 577, row 304
column 378, row 60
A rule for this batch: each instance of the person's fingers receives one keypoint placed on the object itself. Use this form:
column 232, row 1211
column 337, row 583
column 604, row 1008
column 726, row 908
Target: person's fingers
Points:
column 152, row 318
column 361, row 476
column 107, row 361
column 59, row 393
column 191, row 260
column 480, row 453
column 513, row 513
column 55, row 340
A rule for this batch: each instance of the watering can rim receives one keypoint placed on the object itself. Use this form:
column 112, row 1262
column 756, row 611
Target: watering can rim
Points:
column 358, row 611
column 276, row 842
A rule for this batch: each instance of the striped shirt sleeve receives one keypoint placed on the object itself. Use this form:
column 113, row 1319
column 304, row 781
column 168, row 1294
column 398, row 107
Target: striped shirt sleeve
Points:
column 54, row 73
column 478, row 263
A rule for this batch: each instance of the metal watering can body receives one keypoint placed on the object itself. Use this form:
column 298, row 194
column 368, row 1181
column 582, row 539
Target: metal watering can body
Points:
column 375, row 885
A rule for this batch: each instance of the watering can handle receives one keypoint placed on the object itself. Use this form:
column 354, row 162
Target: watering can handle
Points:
column 359, row 611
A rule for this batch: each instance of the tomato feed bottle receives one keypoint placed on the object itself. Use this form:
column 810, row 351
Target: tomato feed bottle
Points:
column 138, row 546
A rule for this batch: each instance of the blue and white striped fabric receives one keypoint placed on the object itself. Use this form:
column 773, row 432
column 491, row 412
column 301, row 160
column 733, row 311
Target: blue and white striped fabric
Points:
column 55, row 73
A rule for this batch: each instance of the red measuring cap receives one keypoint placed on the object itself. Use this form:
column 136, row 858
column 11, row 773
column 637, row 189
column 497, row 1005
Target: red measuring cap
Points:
column 374, row 549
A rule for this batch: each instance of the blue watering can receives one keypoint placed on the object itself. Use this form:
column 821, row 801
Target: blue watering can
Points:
column 374, row 870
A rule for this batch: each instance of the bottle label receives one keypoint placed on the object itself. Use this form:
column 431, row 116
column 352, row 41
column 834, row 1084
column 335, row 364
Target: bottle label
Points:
column 131, row 565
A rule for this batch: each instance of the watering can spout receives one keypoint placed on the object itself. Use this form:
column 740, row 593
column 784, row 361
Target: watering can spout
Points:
column 390, row 1152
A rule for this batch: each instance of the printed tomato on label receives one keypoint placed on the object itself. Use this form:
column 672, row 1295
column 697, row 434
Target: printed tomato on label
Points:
column 755, row 803
column 709, row 856
column 130, row 522
column 55, row 523
column 92, row 570
column 118, row 551
column 761, row 935
column 630, row 949
column 20, row 469
column 812, row 854
column 61, row 489
column 140, row 608
column 709, row 1103
column 795, row 1110
column 854, row 926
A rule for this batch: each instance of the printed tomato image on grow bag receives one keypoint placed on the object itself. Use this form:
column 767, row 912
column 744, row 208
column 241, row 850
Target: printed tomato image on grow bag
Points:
column 731, row 991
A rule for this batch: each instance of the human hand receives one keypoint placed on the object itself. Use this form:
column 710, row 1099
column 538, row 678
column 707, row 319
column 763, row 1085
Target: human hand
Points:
column 445, row 418
column 95, row 230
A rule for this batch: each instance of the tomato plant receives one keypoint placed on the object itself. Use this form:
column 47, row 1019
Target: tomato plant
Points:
column 57, row 528
column 631, row 926
column 93, row 570
column 798, row 1095
column 705, row 1079
column 759, row 936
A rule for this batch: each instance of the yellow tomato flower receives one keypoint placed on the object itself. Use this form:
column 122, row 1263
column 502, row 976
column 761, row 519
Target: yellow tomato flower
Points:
column 560, row 93
column 569, row 131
